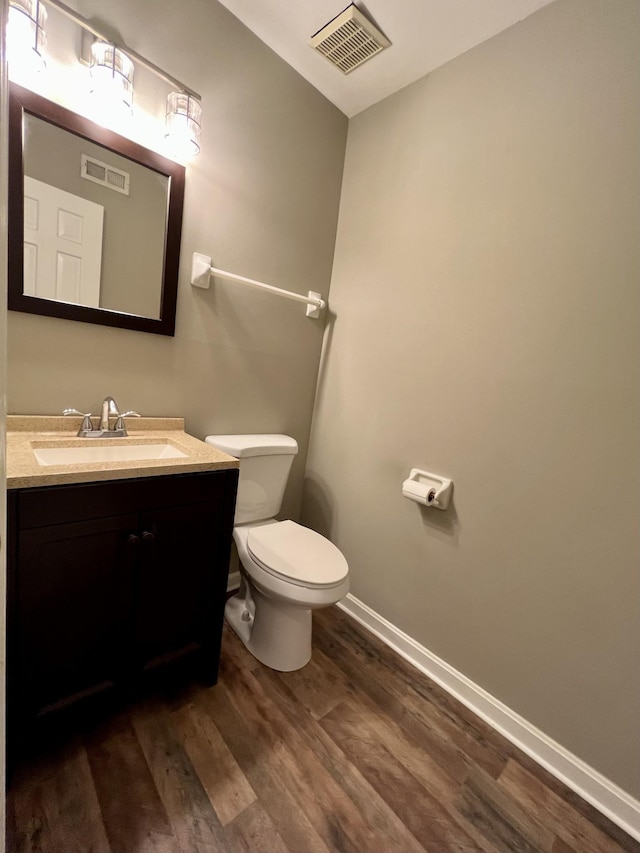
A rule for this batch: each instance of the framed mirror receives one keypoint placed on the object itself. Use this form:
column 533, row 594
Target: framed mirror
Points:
column 95, row 221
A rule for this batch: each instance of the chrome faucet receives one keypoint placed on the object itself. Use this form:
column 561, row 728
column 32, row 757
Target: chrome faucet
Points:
column 108, row 410
column 109, row 407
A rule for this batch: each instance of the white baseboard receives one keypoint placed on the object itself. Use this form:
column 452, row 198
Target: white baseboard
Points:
column 592, row 786
column 233, row 581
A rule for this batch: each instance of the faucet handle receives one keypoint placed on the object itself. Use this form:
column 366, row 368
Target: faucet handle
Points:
column 123, row 415
column 87, row 425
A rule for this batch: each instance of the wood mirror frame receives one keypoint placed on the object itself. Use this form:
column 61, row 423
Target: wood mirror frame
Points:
column 21, row 102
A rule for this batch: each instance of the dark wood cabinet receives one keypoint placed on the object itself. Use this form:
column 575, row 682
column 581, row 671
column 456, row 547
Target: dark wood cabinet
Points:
column 73, row 605
column 109, row 580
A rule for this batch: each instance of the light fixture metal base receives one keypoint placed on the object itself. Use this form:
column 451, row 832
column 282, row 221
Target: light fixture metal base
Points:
column 87, row 39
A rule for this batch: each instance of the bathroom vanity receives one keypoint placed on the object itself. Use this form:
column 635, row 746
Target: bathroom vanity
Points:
column 116, row 569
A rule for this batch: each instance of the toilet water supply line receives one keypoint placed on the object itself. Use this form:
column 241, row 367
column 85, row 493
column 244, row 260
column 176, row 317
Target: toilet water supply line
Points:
column 201, row 272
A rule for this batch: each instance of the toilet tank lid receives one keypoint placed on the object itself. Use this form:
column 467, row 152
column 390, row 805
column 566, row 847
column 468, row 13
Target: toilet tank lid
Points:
column 254, row 444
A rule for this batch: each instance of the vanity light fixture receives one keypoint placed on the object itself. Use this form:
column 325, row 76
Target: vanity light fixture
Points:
column 182, row 124
column 111, row 73
column 25, row 38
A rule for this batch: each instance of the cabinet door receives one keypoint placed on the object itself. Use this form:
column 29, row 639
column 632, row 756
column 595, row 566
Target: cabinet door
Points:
column 182, row 583
column 73, row 605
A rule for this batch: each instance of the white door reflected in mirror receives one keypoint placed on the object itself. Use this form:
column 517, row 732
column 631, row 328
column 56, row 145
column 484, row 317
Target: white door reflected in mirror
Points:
column 62, row 245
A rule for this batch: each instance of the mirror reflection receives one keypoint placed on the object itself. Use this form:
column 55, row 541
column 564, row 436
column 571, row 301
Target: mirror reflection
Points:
column 94, row 223
column 94, row 231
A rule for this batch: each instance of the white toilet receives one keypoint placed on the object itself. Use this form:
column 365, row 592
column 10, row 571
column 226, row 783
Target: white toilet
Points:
column 286, row 570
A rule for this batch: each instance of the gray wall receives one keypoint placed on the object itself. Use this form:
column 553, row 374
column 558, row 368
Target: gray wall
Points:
column 487, row 306
column 262, row 200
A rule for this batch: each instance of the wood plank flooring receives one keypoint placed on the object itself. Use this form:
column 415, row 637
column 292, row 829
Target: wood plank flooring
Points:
column 356, row 753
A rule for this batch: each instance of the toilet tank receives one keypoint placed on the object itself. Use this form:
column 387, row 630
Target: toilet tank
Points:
column 265, row 463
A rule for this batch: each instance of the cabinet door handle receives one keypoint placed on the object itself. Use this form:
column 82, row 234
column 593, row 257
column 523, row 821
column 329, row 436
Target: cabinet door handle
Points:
column 132, row 540
column 148, row 538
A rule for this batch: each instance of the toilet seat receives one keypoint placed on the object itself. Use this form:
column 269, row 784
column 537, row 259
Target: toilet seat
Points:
column 297, row 554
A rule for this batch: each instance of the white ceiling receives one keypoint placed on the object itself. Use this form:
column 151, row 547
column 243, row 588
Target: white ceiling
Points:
column 424, row 34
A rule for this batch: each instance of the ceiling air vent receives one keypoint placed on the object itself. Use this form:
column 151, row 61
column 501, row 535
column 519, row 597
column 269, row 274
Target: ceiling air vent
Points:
column 349, row 40
column 100, row 173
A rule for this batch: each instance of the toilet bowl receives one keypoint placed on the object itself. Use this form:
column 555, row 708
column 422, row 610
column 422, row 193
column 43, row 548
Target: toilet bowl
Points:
column 286, row 570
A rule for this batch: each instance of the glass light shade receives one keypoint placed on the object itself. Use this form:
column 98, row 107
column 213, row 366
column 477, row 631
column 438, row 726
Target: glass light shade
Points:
column 182, row 131
column 111, row 73
column 25, row 38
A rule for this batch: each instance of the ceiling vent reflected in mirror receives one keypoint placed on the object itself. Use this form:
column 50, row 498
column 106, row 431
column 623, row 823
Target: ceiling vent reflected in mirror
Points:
column 101, row 173
column 349, row 40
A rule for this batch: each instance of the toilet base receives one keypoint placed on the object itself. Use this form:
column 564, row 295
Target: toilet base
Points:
column 277, row 633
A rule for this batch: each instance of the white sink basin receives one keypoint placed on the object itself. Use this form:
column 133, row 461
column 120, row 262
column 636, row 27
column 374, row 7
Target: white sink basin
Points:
column 105, row 453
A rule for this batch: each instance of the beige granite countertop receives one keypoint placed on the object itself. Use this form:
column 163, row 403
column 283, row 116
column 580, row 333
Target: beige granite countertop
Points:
column 26, row 432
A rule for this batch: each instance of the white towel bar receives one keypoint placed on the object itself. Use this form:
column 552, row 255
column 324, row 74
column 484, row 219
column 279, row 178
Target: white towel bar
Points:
column 201, row 272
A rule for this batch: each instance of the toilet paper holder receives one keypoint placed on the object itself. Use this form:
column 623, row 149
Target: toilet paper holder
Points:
column 427, row 489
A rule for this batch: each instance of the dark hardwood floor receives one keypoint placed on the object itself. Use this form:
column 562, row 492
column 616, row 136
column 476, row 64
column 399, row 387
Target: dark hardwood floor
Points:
column 356, row 753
